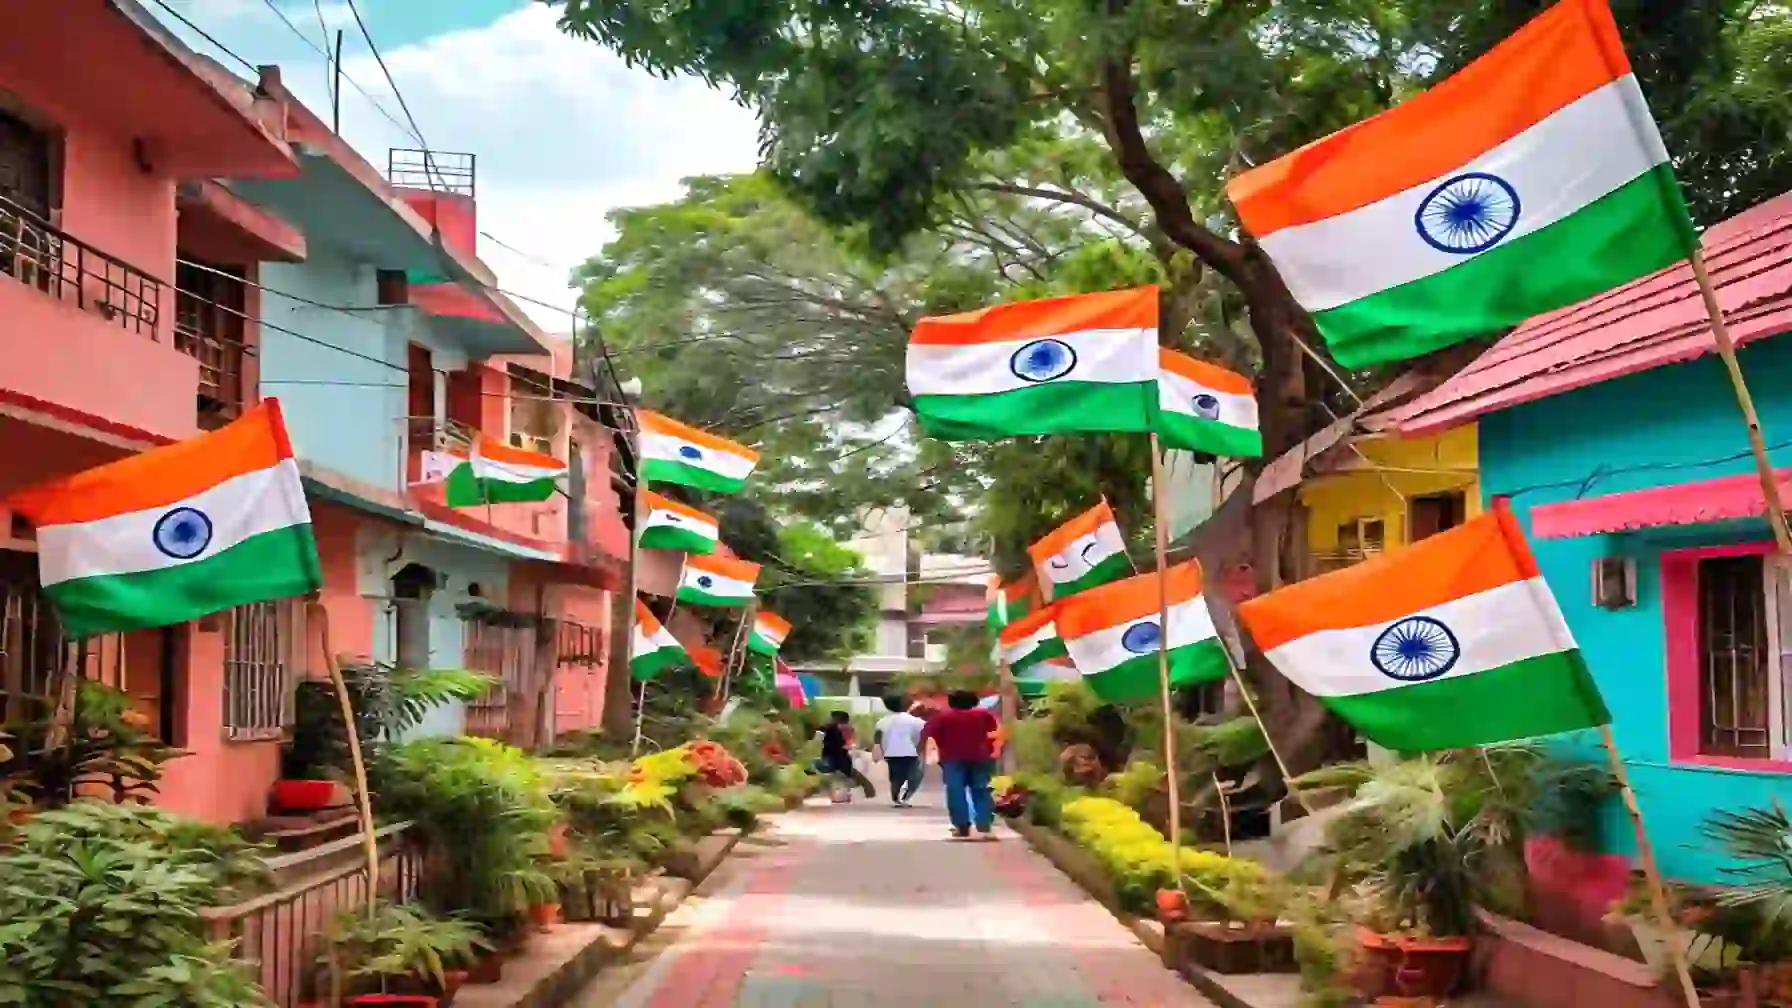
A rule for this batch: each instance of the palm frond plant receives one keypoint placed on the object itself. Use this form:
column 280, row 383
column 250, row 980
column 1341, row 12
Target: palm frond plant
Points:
column 1754, row 914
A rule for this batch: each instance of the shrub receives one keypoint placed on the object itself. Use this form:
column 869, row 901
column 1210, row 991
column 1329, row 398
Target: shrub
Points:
column 99, row 905
column 1140, row 861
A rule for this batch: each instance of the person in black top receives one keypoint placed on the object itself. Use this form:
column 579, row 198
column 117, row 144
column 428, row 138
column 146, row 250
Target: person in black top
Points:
column 836, row 757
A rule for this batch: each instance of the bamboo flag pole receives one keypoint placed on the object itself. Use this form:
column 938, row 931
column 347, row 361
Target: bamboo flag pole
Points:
column 1726, row 348
column 634, row 585
column 1645, row 852
column 1161, row 533
column 738, row 647
column 1250, row 703
column 364, row 799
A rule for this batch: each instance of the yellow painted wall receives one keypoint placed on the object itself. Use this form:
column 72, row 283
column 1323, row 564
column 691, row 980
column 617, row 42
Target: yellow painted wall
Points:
column 1450, row 461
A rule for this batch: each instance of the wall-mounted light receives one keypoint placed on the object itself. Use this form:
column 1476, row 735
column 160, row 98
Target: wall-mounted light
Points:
column 1614, row 582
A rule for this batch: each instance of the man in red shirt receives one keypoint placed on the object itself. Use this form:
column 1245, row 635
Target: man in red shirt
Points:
column 963, row 734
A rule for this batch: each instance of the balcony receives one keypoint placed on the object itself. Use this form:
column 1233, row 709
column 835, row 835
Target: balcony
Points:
column 69, row 270
column 209, row 327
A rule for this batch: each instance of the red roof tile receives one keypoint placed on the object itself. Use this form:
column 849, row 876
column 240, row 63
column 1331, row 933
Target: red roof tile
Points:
column 1644, row 324
column 1681, row 504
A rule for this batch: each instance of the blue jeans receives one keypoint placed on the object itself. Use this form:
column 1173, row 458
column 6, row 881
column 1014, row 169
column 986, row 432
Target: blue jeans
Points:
column 969, row 779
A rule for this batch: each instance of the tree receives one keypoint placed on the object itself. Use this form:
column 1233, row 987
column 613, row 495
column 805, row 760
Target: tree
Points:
column 878, row 116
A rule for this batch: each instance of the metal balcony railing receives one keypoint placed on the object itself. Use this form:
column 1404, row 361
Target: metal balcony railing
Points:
column 1331, row 560
column 442, row 171
column 39, row 255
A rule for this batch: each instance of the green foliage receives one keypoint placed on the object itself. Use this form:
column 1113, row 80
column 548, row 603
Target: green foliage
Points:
column 1136, row 784
column 743, row 805
column 483, row 808
column 106, row 746
column 99, row 905
column 1756, row 913
column 1140, row 862
column 398, row 940
column 389, row 700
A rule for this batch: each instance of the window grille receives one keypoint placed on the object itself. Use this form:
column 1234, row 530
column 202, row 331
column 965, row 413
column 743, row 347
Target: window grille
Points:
column 263, row 660
column 1735, row 716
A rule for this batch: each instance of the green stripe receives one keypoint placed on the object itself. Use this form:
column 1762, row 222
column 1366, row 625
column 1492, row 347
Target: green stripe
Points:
column 1192, row 433
column 1537, row 696
column 663, row 471
column 665, row 537
column 1015, row 611
column 760, row 643
column 1053, row 408
column 272, row 565
column 1051, row 647
column 1137, row 678
column 698, row 597
column 654, row 662
column 1635, row 229
column 463, row 489
column 1110, row 570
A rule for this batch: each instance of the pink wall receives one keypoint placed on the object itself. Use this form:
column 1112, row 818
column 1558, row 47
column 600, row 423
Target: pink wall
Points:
column 351, row 616
column 218, row 781
column 456, row 217
column 1680, row 613
column 579, row 689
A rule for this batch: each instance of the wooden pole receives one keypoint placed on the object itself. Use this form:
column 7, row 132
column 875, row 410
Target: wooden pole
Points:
column 737, row 648
column 1161, row 534
column 364, row 798
column 634, row 592
column 1645, row 853
column 1726, row 348
column 1250, row 702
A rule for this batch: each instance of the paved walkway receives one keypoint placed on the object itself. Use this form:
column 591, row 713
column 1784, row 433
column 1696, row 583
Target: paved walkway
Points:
column 865, row 906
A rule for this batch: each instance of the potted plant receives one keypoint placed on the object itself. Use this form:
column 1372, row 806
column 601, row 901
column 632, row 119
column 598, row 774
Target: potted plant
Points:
column 399, row 950
column 1427, row 840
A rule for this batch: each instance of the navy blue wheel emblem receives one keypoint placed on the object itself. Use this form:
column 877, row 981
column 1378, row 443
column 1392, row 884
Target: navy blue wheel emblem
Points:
column 690, row 452
column 1143, row 637
column 1043, row 360
column 705, row 581
column 1206, row 405
column 1467, row 214
column 182, row 533
column 1415, row 649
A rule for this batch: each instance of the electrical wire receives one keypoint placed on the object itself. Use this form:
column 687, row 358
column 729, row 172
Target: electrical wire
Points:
column 202, row 33
column 329, row 62
column 396, row 93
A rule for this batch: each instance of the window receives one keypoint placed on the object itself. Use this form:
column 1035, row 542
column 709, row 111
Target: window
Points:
column 1358, row 539
column 263, row 656
column 534, row 417
column 1737, row 664
column 1436, row 513
column 580, row 644
column 25, row 157
column 208, row 327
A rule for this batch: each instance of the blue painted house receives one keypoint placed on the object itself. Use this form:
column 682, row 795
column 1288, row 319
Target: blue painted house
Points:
column 1612, row 428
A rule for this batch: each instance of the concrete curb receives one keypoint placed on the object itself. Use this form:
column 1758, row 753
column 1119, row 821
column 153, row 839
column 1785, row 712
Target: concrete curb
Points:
column 558, row 964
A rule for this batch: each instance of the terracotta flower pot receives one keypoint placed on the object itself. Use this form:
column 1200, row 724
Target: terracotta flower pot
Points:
column 558, row 844
column 1172, row 905
column 451, row 984
column 489, row 969
column 1405, row 966
column 544, row 915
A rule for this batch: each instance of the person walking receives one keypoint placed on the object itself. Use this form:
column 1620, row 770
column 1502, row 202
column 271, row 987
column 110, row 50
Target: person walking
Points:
column 836, row 758
column 897, row 741
column 964, row 734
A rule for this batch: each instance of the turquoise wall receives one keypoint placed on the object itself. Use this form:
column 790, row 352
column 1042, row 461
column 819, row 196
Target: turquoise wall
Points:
column 1674, row 420
column 343, row 410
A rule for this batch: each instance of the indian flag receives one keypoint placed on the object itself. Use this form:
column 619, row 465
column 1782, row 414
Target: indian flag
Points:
column 672, row 452
column 1531, row 179
column 1078, row 363
column 768, row 633
column 1081, row 553
column 177, row 532
column 1114, row 634
column 1030, row 640
column 653, row 649
column 1008, row 602
column 1042, row 675
column 1454, row 641
column 717, row 581
column 669, row 525
column 1204, row 407
column 496, row 473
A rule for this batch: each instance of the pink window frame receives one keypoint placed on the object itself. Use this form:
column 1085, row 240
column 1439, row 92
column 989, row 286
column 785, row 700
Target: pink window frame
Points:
column 1680, row 611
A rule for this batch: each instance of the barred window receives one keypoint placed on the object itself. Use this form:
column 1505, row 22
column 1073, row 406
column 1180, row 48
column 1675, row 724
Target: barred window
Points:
column 263, row 658
column 1736, row 710
column 579, row 644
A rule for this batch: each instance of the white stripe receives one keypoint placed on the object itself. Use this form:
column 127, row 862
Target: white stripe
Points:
column 646, row 644
column 1083, row 554
column 1012, row 653
column 720, row 585
column 238, row 508
column 1492, row 628
column 1585, row 150
column 772, row 636
column 1101, row 650
column 668, row 448
column 1176, row 394
column 1052, row 671
column 666, row 518
column 510, row 472
column 1108, row 356
column 436, row 466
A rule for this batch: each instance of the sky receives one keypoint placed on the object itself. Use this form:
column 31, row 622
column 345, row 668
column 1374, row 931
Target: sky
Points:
column 563, row 131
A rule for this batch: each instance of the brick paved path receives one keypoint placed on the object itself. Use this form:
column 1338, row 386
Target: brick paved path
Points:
column 867, row 906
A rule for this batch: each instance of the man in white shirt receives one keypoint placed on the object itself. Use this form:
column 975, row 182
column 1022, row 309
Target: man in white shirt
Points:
column 897, row 743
